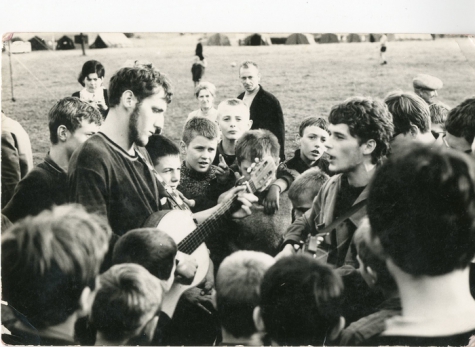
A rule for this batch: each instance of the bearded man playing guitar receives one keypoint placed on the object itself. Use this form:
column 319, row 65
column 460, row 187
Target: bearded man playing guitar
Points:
column 111, row 173
column 360, row 129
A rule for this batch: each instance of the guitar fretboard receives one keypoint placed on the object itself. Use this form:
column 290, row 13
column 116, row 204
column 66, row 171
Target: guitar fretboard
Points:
column 190, row 243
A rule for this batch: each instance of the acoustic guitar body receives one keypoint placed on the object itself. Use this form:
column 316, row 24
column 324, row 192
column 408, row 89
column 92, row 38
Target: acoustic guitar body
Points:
column 179, row 224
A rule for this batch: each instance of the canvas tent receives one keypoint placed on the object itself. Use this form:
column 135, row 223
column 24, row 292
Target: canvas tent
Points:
column 353, row 38
column 300, row 39
column 257, row 40
column 111, row 40
column 329, row 38
column 65, row 43
column 218, row 40
column 38, row 44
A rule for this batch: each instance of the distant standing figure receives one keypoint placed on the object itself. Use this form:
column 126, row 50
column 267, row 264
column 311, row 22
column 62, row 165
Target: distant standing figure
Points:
column 91, row 78
column 205, row 93
column 199, row 50
column 266, row 112
column 382, row 42
column 198, row 69
column 17, row 158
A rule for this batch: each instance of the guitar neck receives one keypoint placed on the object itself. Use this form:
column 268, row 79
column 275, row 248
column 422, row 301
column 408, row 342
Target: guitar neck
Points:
column 190, row 243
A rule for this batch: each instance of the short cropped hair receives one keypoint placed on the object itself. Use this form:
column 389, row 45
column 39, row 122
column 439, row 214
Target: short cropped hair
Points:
column 233, row 102
column 438, row 113
column 257, row 144
column 246, row 64
column 408, row 109
column 149, row 247
column 461, row 120
column 142, row 80
column 371, row 257
column 366, row 119
column 159, row 146
column 48, row 260
column 300, row 300
column 70, row 112
column 199, row 126
column 205, row 85
column 237, row 290
column 129, row 296
column 89, row 67
column 421, row 204
column 313, row 121
column 309, row 182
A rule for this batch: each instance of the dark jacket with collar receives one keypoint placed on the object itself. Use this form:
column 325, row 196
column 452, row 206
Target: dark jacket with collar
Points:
column 266, row 113
column 322, row 212
column 44, row 186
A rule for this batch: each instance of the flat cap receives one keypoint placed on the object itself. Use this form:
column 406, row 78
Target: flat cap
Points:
column 427, row 82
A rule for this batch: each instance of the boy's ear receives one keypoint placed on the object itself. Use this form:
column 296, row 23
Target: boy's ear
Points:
column 87, row 299
column 250, row 124
column 414, row 130
column 297, row 140
column 128, row 99
column 258, row 321
column 370, row 146
column 183, row 147
column 63, row 133
column 335, row 332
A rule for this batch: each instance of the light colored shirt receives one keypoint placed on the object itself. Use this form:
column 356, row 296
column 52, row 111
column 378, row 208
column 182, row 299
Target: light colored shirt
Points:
column 249, row 97
column 212, row 114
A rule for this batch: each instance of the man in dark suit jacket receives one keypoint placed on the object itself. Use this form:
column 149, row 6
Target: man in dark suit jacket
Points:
column 266, row 112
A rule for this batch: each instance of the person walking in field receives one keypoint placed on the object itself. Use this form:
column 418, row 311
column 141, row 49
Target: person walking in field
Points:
column 382, row 41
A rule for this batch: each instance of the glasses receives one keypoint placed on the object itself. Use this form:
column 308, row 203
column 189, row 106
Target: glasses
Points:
column 468, row 151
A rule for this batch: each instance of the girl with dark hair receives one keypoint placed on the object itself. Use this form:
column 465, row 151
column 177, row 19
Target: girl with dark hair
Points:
column 91, row 78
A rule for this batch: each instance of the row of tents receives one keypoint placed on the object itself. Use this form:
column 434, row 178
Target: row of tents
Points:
column 219, row 39
column 103, row 40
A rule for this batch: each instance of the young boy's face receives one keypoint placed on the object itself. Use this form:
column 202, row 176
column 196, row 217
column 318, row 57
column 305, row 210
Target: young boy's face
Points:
column 233, row 121
column 312, row 143
column 169, row 168
column 200, row 153
column 301, row 205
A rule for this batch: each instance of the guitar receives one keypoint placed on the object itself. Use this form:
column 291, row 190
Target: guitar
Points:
column 318, row 244
column 189, row 237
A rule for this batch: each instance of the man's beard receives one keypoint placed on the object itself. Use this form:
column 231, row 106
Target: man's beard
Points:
column 133, row 132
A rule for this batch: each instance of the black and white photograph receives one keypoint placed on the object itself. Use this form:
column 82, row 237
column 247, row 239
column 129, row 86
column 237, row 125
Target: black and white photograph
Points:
column 297, row 174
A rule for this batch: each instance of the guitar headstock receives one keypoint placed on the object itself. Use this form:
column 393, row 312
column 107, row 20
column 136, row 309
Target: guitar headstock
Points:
column 262, row 174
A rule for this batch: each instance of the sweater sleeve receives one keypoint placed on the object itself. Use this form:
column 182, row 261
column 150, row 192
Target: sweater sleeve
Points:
column 11, row 172
column 31, row 196
column 278, row 127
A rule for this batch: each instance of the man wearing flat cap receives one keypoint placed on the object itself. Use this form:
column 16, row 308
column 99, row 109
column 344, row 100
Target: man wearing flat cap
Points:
column 426, row 87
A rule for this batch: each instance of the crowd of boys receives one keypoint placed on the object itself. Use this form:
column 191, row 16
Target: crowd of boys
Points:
column 366, row 236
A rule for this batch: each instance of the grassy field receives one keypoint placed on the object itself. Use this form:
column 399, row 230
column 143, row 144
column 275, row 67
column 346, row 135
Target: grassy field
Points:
column 306, row 79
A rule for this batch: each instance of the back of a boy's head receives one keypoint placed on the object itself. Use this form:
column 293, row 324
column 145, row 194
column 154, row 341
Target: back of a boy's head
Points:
column 421, row 207
column 199, row 126
column 300, row 300
column 438, row 113
column 70, row 112
column 49, row 259
column 257, row 143
column 408, row 109
column 461, row 120
column 129, row 296
column 309, row 182
column 237, row 290
column 159, row 146
column 149, row 247
column 234, row 103
column 372, row 257
column 313, row 121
